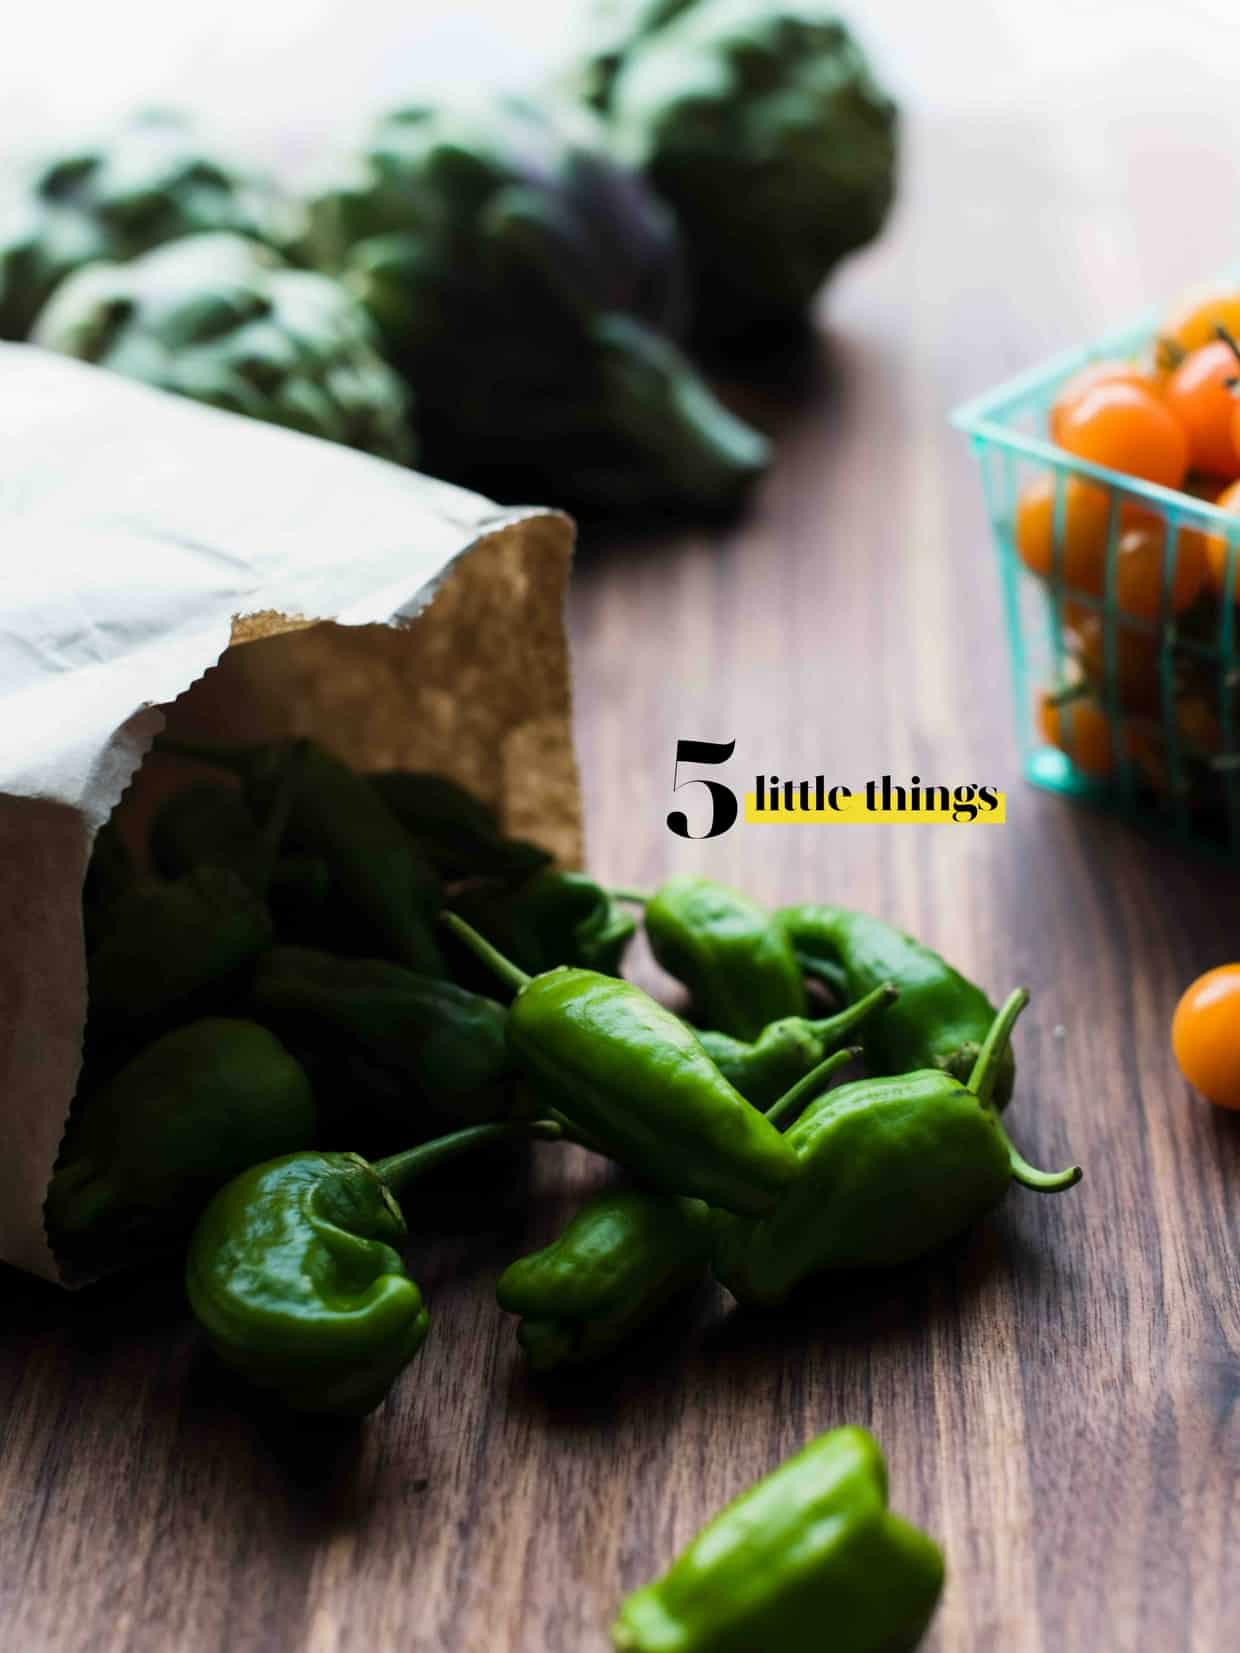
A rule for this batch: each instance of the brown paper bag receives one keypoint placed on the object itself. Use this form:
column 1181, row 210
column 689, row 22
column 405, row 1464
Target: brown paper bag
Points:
column 162, row 563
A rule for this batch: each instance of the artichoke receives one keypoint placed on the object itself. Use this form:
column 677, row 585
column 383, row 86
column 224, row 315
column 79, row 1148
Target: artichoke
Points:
column 149, row 183
column 531, row 289
column 223, row 320
column 759, row 122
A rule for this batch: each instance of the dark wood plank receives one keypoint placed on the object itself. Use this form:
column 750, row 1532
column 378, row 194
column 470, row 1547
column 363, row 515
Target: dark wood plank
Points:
column 1057, row 1396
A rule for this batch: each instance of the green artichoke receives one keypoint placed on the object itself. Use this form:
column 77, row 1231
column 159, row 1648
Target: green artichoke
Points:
column 761, row 125
column 531, row 289
column 615, row 27
column 223, row 320
column 148, row 183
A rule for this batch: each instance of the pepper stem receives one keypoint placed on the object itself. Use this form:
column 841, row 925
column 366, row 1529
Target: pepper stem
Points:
column 806, row 1089
column 982, row 1084
column 830, row 1028
column 504, row 968
column 399, row 1170
column 986, row 1067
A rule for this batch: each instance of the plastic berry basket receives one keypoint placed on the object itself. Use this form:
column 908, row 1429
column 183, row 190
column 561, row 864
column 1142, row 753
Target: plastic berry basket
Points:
column 1165, row 691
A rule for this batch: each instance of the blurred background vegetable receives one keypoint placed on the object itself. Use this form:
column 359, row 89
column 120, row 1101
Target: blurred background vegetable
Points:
column 222, row 320
column 763, row 127
column 148, row 181
column 532, row 290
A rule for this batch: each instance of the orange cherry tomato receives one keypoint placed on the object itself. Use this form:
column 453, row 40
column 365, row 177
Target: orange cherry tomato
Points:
column 1127, row 429
column 1137, row 677
column 1216, row 544
column 1085, row 516
column 1139, row 558
column 1205, row 1035
column 1108, row 372
column 1193, row 321
column 1197, row 394
column 1081, row 730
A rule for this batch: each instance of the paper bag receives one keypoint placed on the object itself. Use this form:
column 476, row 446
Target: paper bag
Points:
column 154, row 551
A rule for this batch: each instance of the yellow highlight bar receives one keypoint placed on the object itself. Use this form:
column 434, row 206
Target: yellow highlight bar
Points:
column 853, row 812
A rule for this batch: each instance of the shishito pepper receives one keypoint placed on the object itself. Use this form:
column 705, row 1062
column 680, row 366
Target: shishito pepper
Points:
column 167, row 942
column 336, row 815
column 412, row 1036
column 552, row 918
column 810, row 1560
column 294, row 1276
column 197, row 1106
column 890, row 1169
column 789, row 1049
column 736, row 961
column 623, row 1256
column 941, row 1020
column 635, row 1082
column 457, row 832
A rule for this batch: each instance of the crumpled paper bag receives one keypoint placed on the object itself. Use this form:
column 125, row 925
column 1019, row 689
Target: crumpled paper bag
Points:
column 154, row 551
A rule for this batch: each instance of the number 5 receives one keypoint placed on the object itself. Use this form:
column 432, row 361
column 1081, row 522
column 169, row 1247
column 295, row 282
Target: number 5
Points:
column 723, row 799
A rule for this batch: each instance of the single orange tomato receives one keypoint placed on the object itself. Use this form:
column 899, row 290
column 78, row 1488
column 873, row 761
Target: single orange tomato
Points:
column 1216, row 544
column 1199, row 312
column 1197, row 394
column 1106, row 372
column 1205, row 1035
column 1086, row 509
column 1126, row 428
column 1139, row 559
column 1081, row 730
column 1137, row 677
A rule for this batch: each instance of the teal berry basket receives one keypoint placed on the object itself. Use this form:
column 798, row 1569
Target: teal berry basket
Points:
column 1145, row 699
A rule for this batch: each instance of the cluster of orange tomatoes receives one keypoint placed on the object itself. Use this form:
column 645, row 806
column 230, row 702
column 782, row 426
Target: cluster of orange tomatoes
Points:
column 1173, row 420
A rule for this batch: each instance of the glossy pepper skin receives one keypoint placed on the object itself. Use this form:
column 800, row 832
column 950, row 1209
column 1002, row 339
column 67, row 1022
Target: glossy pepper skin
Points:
column 787, row 1050
column 810, row 1560
column 890, row 1169
column 110, row 874
column 457, row 832
column 635, row 1082
column 733, row 957
column 336, row 816
column 621, row 1259
column 412, row 1036
column 167, row 942
column 143, row 1154
column 941, row 1020
column 552, row 918
column 294, row 1275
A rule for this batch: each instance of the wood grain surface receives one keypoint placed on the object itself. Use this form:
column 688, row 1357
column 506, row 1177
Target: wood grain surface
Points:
column 1057, row 1396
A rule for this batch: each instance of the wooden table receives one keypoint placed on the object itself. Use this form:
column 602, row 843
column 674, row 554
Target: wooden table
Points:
column 1058, row 1396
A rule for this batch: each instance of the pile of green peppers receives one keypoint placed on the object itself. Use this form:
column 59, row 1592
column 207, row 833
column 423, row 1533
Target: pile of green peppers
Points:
column 309, row 987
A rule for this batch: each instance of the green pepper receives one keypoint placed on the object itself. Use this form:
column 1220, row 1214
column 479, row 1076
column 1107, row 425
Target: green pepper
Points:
column 634, row 1081
column 457, row 832
column 169, row 942
column 789, row 1049
column 294, row 1276
column 552, row 918
column 941, row 1020
column 413, row 1035
column 623, row 1256
column 143, row 1154
column 890, row 1170
column 110, row 875
column 335, row 815
column 733, row 957
column 810, row 1560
